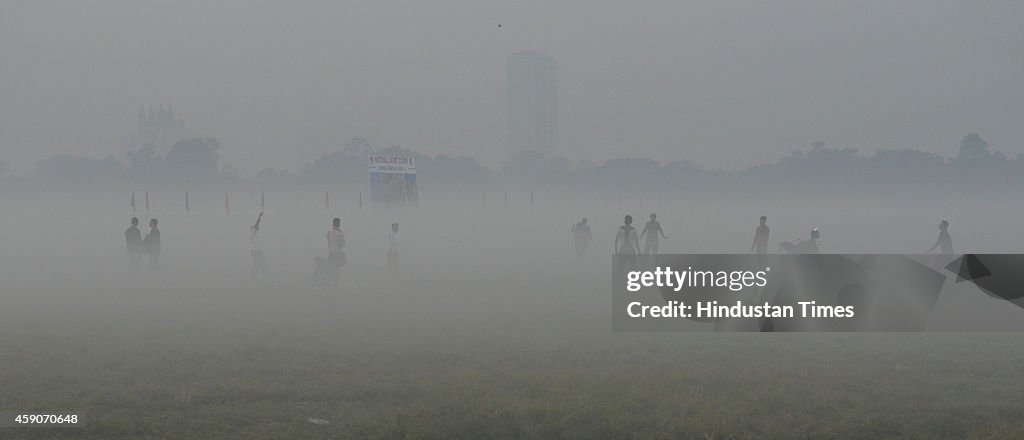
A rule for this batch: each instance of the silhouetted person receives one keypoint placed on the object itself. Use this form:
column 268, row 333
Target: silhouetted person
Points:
column 581, row 238
column 627, row 245
column 760, row 244
column 335, row 252
column 652, row 229
column 133, row 240
column 393, row 249
column 809, row 246
column 152, row 245
column 259, row 262
column 944, row 242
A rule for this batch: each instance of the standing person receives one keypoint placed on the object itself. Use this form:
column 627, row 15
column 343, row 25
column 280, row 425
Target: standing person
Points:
column 393, row 250
column 335, row 252
column 581, row 237
column 944, row 242
column 627, row 245
column 945, row 245
column 760, row 244
column 152, row 245
column 259, row 262
column 652, row 229
column 133, row 239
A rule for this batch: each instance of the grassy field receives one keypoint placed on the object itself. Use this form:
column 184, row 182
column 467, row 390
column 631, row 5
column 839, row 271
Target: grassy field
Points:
column 486, row 336
column 380, row 361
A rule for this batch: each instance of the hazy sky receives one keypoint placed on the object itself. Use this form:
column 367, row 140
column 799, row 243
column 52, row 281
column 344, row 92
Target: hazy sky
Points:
column 724, row 83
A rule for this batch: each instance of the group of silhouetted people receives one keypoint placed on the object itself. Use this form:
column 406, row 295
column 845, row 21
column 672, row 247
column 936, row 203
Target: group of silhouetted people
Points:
column 627, row 241
column 327, row 272
column 139, row 246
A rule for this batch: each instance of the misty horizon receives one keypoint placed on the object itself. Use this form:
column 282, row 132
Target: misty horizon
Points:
column 724, row 85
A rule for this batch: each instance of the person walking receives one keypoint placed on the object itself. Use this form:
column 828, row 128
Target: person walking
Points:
column 259, row 262
column 627, row 245
column 133, row 240
column 335, row 252
column 652, row 230
column 152, row 246
column 581, row 238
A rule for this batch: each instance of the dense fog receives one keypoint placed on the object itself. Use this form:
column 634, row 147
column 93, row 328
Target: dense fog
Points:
column 506, row 123
column 71, row 246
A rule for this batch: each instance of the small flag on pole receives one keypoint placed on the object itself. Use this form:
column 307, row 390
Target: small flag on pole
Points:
column 186, row 203
column 227, row 207
column 133, row 202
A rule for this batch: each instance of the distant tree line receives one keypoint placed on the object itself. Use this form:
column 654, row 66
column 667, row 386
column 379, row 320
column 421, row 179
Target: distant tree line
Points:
column 196, row 162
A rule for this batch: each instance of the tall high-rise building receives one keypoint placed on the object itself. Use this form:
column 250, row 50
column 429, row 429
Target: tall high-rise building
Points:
column 532, row 98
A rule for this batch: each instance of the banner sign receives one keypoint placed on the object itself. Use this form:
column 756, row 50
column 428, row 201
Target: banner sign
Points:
column 393, row 181
column 392, row 164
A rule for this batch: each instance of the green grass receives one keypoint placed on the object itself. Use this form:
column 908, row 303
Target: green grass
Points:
column 234, row 367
